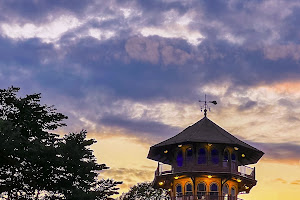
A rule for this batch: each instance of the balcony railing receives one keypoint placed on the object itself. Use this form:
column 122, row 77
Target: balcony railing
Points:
column 204, row 197
column 244, row 171
column 164, row 169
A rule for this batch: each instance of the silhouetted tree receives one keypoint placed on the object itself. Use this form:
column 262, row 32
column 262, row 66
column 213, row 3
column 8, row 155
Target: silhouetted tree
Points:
column 80, row 181
column 143, row 191
column 37, row 164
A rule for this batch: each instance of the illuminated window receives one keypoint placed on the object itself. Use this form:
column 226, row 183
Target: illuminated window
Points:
column 201, row 156
column 188, row 189
column 201, row 190
column 189, row 155
column 215, row 156
column 214, row 191
column 179, row 158
column 178, row 190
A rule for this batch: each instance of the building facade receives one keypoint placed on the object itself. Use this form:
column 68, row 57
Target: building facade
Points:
column 204, row 162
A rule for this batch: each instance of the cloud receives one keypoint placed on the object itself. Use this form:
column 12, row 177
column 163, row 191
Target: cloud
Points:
column 129, row 176
column 111, row 53
column 143, row 49
column 248, row 105
column 101, row 54
column 48, row 32
column 295, row 182
column 277, row 52
column 39, row 11
column 139, row 126
column 279, row 151
column 173, row 56
column 280, row 180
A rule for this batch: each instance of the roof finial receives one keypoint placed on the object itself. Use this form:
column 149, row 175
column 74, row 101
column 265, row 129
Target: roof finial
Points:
column 206, row 106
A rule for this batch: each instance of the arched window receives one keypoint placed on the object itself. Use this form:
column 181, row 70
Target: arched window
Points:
column 214, row 191
column 215, row 156
column 201, row 156
column 225, row 158
column 225, row 191
column 189, row 155
column 233, row 193
column 178, row 190
column 188, row 189
column 233, row 162
column 201, row 190
column 179, row 158
column 233, row 157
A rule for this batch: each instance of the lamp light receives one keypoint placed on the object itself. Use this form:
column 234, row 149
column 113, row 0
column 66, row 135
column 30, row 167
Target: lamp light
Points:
column 176, row 177
column 166, row 151
column 243, row 155
column 238, row 180
column 236, row 148
column 161, row 183
column 180, row 145
column 209, row 144
column 209, row 176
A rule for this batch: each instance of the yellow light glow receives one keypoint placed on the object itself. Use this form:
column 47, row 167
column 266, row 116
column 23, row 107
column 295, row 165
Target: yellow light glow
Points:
column 238, row 180
column 209, row 144
column 246, row 187
column 180, row 145
column 243, row 155
column 166, row 151
column 236, row 148
column 169, row 190
column 161, row 183
column 209, row 176
column 176, row 177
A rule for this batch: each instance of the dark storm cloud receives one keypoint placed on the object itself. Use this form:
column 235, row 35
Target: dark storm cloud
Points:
column 139, row 126
column 39, row 11
column 148, row 68
column 279, row 151
column 141, row 68
column 247, row 43
column 291, row 33
column 31, row 52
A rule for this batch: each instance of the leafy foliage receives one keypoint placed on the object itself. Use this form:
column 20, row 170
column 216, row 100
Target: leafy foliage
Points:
column 81, row 180
column 37, row 164
column 143, row 191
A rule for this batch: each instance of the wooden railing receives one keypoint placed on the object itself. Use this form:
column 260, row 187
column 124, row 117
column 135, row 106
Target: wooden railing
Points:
column 245, row 171
column 204, row 197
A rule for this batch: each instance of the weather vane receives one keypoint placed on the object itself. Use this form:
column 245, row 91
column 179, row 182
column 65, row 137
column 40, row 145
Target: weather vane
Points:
column 206, row 106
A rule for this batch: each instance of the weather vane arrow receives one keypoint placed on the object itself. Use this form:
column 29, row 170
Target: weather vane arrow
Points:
column 206, row 106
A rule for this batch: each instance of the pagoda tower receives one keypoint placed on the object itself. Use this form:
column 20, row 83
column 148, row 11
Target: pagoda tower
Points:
column 204, row 162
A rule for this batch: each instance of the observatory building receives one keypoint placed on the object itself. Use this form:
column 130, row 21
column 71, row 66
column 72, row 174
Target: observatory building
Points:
column 204, row 162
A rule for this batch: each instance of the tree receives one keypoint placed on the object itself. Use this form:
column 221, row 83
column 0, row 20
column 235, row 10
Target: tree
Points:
column 25, row 141
column 37, row 164
column 80, row 181
column 145, row 191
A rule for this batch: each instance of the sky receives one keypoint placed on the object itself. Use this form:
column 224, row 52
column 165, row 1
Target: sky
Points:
column 132, row 72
